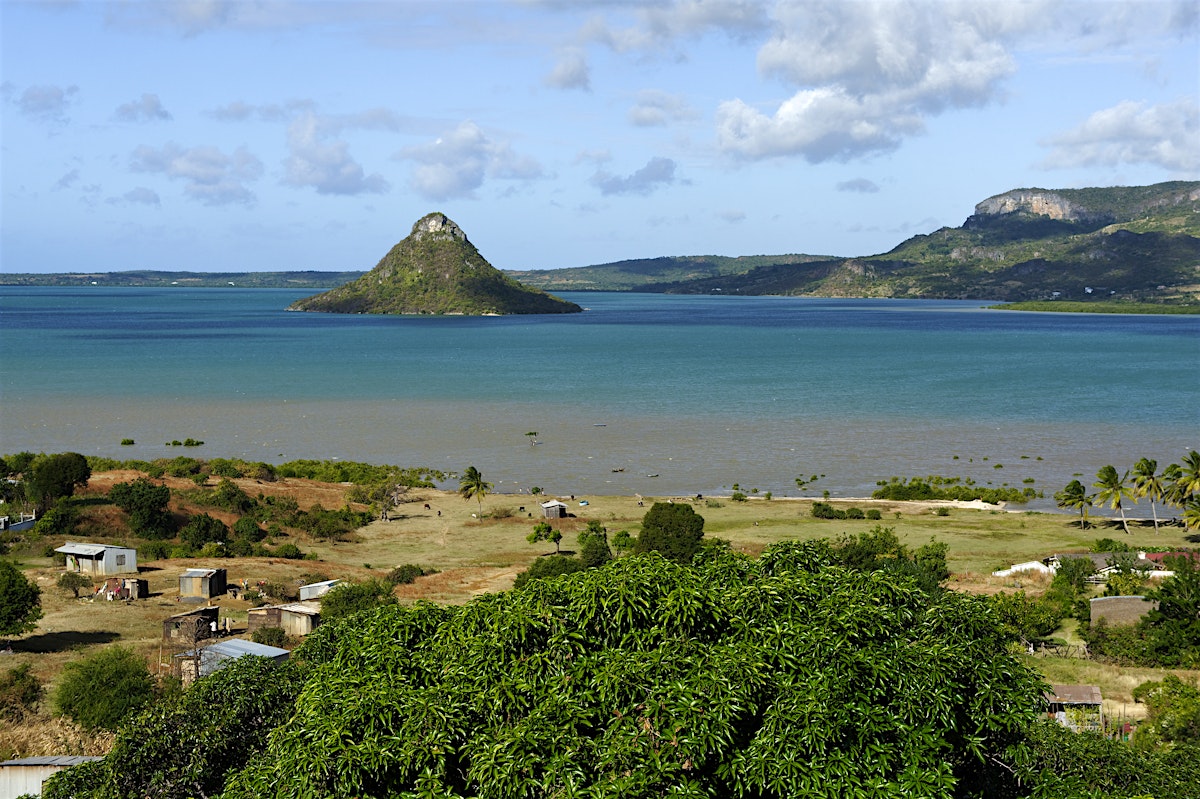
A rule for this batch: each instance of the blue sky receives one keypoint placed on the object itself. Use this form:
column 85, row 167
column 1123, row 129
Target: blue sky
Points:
column 262, row 135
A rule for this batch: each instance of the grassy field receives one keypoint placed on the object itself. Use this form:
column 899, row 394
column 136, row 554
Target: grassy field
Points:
column 476, row 552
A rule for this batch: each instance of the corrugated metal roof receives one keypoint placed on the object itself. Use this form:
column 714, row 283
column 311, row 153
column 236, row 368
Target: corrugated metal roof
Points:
column 304, row 608
column 199, row 573
column 51, row 760
column 236, row 647
column 89, row 550
column 322, row 582
column 1075, row 694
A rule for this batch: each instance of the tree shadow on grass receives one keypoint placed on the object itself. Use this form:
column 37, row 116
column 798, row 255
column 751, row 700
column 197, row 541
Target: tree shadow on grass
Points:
column 63, row 641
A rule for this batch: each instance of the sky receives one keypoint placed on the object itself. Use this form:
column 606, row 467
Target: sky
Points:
column 268, row 135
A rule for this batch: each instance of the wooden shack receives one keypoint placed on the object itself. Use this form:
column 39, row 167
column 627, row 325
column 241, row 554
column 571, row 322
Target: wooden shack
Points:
column 297, row 619
column 202, row 583
column 554, row 509
column 188, row 628
column 24, row 776
column 1076, row 707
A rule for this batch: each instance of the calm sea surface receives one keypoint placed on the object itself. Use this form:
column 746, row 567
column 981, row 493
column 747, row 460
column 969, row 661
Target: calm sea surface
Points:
column 701, row 391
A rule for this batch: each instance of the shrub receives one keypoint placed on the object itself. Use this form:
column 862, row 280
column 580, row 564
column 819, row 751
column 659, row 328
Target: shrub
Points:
column 270, row 636
column 104, row 688
column 20, row 601
column 348, row 599
column 154, row 550
column 127, row 442
column 403, row 575
column 20, row 692
column 247, row 528
column 501, row 513
column 202, row 529
column 146, row 504
column 73, row 581
column 549, row 566
column 874, row 515
column 289, row 551
column 943, row 511
column 737, row 496
column 823, row 510
column 855, row 513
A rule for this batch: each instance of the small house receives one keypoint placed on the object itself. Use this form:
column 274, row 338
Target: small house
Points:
column 188, row 628
column 204, row 661
column 554, row 509
column 202, row 583
column 315, row 590
column 99, row 560
column 297, row 619
column 1076, row 707
column 1028, row 568
column 25, row 775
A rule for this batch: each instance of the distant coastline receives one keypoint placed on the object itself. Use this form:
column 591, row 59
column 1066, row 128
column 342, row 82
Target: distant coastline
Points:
column 1069, row 306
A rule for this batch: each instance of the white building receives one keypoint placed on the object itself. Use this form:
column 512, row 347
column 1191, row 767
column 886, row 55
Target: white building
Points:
column 100, row 560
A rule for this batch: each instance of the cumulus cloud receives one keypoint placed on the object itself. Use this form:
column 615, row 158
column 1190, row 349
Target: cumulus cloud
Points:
column 860, row 185
column 211, row 176
column 656, row 26
column 868, row 73
column 319, row 160
column 46, row 103
column 656, row 173
column 571, row 71
column 137, row 196
column 1133, row 133
column 655, row 108
column 147, row 109
column 457, row 163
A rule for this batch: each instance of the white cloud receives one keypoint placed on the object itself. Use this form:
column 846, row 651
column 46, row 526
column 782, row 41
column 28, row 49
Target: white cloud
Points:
column 47, row 103
column 869, row 73
column 656, row 173
column 1133, row 133
column 324, row 163
column 148, row 108
column 656, row 107
column 457, row 163
column 571, row 71
column 656, row 26
column 137, row 196
column 211, row 176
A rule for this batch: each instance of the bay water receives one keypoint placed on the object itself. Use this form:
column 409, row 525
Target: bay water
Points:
column 651, row 394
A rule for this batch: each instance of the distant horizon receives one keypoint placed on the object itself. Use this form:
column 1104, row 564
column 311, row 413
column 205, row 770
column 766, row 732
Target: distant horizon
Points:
column 224, row 135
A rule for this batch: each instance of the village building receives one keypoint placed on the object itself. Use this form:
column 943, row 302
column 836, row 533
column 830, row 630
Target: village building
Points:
column 194, row 625
column 554, row 509
column 99, row 560
column 203, row 661
column 297, row 619
column 197, row 584
column 124, row 588
column 1076, row 707
column 315, row 590
column 25, row 776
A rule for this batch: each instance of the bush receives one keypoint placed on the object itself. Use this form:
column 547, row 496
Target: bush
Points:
column 20, row 692
column 289, row 551
column 146, row 504
column 943, row 511
column 104, row 689
column 20, row 601
column 823, row 510
column 549, row 566
column 154, row 550
column 403, row 575
column 73, row 581
column 737, row 496
column 270, row 636
column 203, row 529
column 247, row 528
column 874, row 515
column 855, row 513
column 673, row 530
column 347, row 599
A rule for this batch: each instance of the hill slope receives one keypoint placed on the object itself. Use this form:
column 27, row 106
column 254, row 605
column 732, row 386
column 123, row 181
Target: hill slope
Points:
column 435, row 270
column 1140, row 242
column 636, row 274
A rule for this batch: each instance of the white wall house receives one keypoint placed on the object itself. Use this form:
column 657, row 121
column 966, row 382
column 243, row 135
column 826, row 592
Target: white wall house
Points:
column 100, row 560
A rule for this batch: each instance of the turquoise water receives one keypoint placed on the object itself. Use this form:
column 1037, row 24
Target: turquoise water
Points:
column 701, row 391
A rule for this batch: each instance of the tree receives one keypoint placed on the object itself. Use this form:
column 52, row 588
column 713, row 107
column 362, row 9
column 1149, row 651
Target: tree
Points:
column 1172, row 713
column 1027, row 619
column 202, row 529
column 542, row 531
column 348, row 599
column 1189, row 474
column 593, row 545
column 104, row 688
column 673, row 530
column 146, row 503
column 1172, row 629
column 1113, row 489
column 1148, row 483
column 20, row 601
column 1075, row 496
column 545, row 568
column 56, row 476
column 73, row 581
column 473, row 486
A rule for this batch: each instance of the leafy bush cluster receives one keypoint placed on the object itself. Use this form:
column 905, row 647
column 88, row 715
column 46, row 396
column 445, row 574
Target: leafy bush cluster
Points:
column 953, row 488
column 823, row 510
column 408, row 573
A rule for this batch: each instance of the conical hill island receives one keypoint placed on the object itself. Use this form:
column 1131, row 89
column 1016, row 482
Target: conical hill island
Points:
column 436, row 270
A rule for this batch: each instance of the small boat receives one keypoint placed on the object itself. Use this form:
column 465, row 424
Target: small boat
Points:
column 619, row 470
column 653, row 475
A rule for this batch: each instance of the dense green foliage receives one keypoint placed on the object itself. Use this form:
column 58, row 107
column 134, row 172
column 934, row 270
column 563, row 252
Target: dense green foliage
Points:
column 435, row 270
column 73, row 581
column 51, row 477
column 20, row 692
column 951, row 488
column 542, row 531
column 549, row 566
column 1066, row 306
column 348, row 599
column 146, row 503
column 672, row 529
column 104, row 688
column 202, row 529
column 184, row 746
column 1173, row 713
column 20, row 601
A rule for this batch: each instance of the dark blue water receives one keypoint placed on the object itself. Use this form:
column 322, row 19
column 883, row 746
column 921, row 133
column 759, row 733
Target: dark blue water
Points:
column 703, row 391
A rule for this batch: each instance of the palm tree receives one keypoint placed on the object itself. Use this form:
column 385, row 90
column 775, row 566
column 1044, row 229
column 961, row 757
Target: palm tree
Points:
column 1074, row 495
column 473, row 486
column 1113, row 489
column 1148, row 483
column 1189, row 476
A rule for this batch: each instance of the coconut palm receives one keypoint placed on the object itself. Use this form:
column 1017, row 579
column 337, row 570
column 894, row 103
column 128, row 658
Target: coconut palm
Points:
column 1148, row 483
column 473, row 486
column 1113, row 489
column 1075, row 496
column 1189, row 475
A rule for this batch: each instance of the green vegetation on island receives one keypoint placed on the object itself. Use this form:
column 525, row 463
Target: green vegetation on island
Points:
column 1069, row 306
column 153, row 278
column 435, row 270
